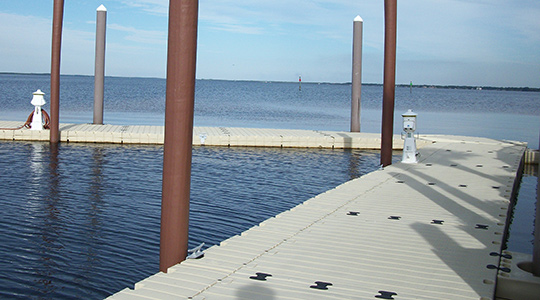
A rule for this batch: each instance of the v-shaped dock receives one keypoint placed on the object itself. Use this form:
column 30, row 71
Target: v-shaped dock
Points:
column 431, row 230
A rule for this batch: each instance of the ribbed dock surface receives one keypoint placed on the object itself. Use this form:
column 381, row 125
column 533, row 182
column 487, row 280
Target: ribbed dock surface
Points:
column 209, row 136
column 431, row 230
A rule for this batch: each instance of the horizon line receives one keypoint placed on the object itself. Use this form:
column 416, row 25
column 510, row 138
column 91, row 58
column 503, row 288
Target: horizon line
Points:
column 422, row 85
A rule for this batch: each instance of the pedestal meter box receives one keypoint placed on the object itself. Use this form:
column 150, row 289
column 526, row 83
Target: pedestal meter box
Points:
column 409, row 143
column 409, row 121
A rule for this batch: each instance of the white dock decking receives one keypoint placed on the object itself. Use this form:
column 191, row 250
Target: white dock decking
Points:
column 431, row 230
column 209, row 136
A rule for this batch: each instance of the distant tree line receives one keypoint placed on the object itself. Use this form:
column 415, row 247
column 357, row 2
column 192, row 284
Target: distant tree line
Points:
column 466, row 87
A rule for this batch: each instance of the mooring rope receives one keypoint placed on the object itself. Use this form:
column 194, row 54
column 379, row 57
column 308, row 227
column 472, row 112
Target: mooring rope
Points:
column 46, row 119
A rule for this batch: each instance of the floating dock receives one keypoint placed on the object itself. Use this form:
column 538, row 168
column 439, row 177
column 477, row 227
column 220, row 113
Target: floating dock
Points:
column 205, row 136
column 431, row 230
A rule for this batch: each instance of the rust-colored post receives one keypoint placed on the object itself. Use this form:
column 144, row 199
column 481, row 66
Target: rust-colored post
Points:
column 389, row 83
column 180, row 94
column 58, row 16
column 536, row 243
column 356, row 74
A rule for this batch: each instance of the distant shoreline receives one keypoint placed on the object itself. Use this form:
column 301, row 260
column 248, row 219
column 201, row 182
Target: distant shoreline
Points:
column 466, row 87
column 425, row 86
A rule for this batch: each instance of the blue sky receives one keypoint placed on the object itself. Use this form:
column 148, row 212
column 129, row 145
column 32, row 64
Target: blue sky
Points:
column 446, row 42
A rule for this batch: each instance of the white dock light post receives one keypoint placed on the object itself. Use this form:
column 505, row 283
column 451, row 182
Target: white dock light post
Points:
column 37, row 119
column 409, row 144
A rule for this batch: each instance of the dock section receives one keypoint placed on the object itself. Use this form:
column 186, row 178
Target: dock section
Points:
column 431, row 230
column 205, row 136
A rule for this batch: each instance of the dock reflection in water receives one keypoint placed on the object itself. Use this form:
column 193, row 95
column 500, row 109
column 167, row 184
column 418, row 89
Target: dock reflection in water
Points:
column 81, row 221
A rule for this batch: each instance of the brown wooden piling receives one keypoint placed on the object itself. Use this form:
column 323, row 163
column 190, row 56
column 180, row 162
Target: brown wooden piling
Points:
column 180, row 93
column 58, row 16
column 536, row 243
column 389, row 83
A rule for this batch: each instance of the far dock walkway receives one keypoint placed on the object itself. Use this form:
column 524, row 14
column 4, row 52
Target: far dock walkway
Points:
column 205, row 136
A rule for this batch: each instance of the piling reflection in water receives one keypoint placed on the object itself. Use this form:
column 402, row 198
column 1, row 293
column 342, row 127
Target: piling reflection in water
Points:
column 358, row 159
column 48, row 218
column 354, row 164
column 93, row 212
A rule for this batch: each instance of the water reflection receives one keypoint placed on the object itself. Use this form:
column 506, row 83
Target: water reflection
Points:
column 354, row 163
column 360, row 161
column 521, row 229
column 51, row 223
column 67, row 219
column 94, row 211
column 36, row 163
column 81, row 221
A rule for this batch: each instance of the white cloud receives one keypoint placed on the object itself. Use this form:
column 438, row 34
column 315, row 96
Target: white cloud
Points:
column 279, row 16
column 242, row 29
column 24, row 43
column 468, row 31
column 140, row 35
column 152, row 6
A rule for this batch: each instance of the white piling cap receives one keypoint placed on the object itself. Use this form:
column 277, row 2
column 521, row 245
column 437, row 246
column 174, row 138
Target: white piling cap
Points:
column 358, row 19
column 101, row 8
column 409, row 113
column 38, row 98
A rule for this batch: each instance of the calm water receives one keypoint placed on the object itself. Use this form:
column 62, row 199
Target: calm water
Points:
column 521, row 236
column 82, row 220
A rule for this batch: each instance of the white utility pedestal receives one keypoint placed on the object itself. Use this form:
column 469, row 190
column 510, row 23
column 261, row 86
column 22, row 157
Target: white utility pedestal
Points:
column 409, row 144
column 38, row 101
